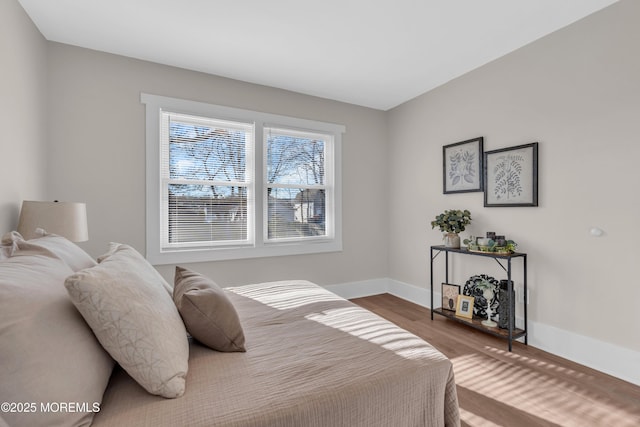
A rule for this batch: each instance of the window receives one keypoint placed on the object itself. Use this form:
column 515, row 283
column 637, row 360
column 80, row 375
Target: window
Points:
column 205, row 182
column 297, row 184
column 225, row 183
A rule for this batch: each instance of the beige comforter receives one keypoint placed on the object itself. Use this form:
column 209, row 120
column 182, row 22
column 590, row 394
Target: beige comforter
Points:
column 313, row 359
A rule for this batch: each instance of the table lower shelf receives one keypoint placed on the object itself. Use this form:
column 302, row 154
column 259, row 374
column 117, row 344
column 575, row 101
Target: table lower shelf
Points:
column 476, row 323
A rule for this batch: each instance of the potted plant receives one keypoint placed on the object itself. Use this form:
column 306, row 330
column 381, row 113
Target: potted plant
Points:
column 451, row 222
column 509, row 247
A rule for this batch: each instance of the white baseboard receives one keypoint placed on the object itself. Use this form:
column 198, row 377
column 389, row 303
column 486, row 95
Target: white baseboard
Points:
column 364, row 288
column 611, row 359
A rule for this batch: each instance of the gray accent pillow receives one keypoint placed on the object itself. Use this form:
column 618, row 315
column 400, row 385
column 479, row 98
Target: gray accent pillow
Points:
column 207, row 312
column 125, row 302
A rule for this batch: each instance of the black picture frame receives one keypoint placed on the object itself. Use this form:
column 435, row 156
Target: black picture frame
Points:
column 462, row 166
column 449, row 296
column 511, row 176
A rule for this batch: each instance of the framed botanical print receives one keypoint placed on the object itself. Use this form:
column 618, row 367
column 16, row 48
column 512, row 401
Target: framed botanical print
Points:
column 511, row 176
column 462, row 166
column 450, row 296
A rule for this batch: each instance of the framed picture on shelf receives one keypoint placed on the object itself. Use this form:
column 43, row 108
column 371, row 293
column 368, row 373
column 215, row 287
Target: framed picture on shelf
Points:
column 450, row 296
column 464, row 307
column 511, row 176
column 462, row 166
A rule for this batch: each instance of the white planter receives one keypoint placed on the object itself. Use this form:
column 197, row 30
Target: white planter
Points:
column 452, row 240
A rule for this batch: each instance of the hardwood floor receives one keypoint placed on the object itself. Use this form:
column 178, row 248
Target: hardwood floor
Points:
column 528, row 387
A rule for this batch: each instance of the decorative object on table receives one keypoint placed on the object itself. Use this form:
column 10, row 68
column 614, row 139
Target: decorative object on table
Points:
column 472, row 243
column 462, row 166
column 499, row 246
column 483, row 241
column 503, row 246
column 473, row 288
column 491, row 235
column 511, row 176
column 452, row 222
column 450, row 296
column 464, row 306
column 488, row 292
column 504, row 301
column 66, row 219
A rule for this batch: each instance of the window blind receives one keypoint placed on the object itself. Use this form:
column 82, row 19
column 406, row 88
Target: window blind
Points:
column 206, row 181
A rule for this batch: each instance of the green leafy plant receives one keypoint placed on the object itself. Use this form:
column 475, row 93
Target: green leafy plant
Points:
column 471, row 243
column 452, row 221
column 485, row 284
column 509, row 247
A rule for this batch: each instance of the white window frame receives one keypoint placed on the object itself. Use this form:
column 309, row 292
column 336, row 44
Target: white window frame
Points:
column 260, row 246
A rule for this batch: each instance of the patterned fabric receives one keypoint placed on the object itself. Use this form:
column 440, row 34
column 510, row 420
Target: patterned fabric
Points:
column 480, row 302
column 125, row 302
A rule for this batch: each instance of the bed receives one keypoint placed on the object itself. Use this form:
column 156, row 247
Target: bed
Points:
column 312, row 359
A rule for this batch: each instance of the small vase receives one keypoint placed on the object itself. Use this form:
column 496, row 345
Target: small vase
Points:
column 505, row 302
column 452, row 240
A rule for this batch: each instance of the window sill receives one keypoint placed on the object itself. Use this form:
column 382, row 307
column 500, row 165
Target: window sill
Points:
column 204, row 255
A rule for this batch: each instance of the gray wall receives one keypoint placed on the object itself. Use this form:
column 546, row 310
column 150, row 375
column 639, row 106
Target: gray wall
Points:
column 97, row 136
column 73, row 129
column 23, row 121
column 577, row 93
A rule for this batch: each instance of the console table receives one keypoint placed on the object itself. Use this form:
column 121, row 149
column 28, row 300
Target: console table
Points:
column 511, row 333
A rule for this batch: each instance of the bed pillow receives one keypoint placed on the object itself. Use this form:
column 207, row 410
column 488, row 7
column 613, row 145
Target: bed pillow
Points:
column 48, row 353
column 69, row 252
column 207, row 312
column 61, row 247
column 8, row 244
column 124, row 301
column 113, row 247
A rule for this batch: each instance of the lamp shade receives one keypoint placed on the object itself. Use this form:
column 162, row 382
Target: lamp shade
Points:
column 67, row 219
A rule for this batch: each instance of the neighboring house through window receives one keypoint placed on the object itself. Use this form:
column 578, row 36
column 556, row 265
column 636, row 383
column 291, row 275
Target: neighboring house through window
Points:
column 226, row 183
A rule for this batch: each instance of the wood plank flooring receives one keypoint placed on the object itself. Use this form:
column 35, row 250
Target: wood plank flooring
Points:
column 528, row 387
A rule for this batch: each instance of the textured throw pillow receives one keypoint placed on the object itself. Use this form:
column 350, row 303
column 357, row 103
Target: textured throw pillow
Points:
column 124, row 301
column 113, row 247
column 48, row 353
column 207, row 312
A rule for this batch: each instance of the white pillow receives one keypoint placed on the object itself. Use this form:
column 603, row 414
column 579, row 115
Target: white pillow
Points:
column 113, row 247
column 69, row 252
column 9, row 243
column 61, row 247
column 48, row 353
column 125, row 302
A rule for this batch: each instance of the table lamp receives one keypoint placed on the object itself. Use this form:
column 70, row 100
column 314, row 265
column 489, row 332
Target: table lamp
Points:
column 67, row 219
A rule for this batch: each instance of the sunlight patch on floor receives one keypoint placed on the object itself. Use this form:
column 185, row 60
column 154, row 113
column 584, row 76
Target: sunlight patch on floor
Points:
column 535, row 362
column 542, row 395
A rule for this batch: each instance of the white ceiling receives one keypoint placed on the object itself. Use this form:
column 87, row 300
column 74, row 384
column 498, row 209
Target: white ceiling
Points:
column 374, row 53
